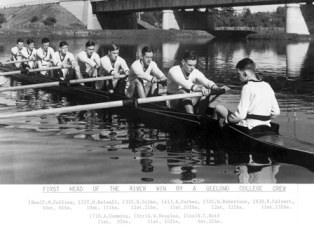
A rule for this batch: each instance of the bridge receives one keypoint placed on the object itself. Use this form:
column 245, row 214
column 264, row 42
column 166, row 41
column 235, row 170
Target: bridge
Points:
column 113, row 14
column 121, row 14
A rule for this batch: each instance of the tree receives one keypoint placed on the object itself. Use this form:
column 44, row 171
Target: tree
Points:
column 34, row 19
column 2, row 18
column 50, row 21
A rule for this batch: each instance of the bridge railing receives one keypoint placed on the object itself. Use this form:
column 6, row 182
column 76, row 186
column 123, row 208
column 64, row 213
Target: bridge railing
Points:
column 278, row 29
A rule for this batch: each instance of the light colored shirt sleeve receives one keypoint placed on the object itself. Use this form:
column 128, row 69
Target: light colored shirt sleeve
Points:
column 179, row 79
column 275, row 110
column 201, row 79
column 156, row 71
column 243, row 107
column 82, row 57
column 139, row 72
column 105, row 65
column 124, row 66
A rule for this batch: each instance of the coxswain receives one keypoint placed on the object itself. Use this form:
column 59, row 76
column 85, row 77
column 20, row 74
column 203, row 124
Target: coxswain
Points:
column 258, row 103
column 144, row 76
column 88, row 60
column 63, row 58
column 44, row 55
column 17, row 52
column 185, row 78
column 30, row 53
column 112, row 65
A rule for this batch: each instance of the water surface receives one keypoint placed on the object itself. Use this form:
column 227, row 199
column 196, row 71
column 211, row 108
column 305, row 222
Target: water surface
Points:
column 88, row 147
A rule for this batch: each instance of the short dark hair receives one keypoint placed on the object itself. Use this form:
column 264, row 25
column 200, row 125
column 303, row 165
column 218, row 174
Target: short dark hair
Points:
column 146, row 49
column 246, row 64
column 89, row 43
column 189, row 55
column 19, row 40
column 63, row 43
column 113, row 47
column 29, row 41
column 45, row 40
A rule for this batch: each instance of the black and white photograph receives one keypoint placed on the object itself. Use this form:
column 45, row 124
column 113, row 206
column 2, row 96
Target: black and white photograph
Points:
column 156, row 111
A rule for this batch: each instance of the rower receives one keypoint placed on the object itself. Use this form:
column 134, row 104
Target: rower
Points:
column 112, row 64
column 17, row 52
column 185, row 78
column 258, row 104
column 64, row 58
column 30, row 53
column 44, row 55
column 88, row 60
column 144, row 75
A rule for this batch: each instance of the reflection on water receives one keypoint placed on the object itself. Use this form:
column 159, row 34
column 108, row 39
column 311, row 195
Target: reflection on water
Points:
column 101, row 147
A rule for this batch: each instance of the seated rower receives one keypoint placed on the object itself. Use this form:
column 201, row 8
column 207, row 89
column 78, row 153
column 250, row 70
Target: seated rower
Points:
column 144, row 75
column 45, row 55
column 65, row 59
column 112, row 64
column 258, row 104
column 88, row 60
column 185, row 78
column 17, row 52
column 30, row 53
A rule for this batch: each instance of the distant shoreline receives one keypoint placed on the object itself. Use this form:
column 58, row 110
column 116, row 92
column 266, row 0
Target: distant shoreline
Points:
column 138, row 34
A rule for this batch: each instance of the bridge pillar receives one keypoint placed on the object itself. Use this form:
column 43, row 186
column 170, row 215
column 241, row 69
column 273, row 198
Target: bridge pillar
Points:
column 295, row 22
column 296, row 54
column 169, row 21
column 82, row 10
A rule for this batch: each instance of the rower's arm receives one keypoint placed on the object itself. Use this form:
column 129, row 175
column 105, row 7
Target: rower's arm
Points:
column 140, row 73
column 83, row 58
column 201, row 79
column 106, row 66
column 243, row 107
column 157, row 72
column 125, row 67
column 179, row 79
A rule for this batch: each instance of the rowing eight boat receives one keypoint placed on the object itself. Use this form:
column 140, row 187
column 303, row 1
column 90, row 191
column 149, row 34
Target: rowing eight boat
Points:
column 159, row 116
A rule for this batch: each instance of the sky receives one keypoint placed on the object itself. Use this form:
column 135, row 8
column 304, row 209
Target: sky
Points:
column 253, row 8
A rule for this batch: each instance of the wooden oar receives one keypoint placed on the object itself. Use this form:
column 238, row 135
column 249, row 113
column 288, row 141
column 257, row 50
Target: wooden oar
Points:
column 32, row 70
column 127, row 103
column 18, row 61
column 58, row 83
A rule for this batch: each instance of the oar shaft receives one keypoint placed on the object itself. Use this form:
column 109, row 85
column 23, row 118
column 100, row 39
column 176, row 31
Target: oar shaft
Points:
column 31, row 70
column 103, row 105
column 18, row 61
column 57, row 83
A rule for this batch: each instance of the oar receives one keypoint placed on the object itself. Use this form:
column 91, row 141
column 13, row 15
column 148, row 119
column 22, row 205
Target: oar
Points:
column 32, row 70
column 18, row 61
column 58, row 83
column 127, row 103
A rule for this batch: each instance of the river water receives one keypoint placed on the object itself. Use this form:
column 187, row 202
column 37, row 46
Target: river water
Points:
column 85, row 148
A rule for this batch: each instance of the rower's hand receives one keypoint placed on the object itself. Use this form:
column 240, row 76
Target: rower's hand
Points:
column 205, row 91
column 116, row 75
column 163, row 81
column 226, row 88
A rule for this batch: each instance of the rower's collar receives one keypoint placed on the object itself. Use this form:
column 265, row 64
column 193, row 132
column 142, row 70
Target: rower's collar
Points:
column 254, row 80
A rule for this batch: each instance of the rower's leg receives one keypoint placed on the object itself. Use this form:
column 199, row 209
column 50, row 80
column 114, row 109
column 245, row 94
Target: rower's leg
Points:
column 222, row 111
column 203, row 105
column 135, row 85
column 188, row 105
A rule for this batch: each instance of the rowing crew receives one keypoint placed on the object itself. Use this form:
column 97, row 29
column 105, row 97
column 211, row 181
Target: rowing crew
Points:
column 258, row 104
